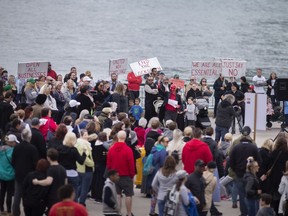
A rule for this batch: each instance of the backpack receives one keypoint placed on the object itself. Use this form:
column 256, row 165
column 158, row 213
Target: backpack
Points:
column 148, row 165
column 171, row 202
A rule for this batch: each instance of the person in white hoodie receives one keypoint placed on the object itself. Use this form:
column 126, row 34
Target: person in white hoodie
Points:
column 175, row 148
column 164, row 179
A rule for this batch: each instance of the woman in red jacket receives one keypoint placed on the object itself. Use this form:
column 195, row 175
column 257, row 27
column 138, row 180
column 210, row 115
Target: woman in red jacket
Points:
column 134, row 83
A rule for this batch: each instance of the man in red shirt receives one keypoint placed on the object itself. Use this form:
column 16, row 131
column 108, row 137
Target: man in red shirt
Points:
column 51, row 72
column 120, row 158
column 194, row 150
column 67, row 206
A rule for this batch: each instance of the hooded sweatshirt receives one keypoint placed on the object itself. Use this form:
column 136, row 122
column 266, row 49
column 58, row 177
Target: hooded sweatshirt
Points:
column 194, row 150
column 161, row 184
column 120, row 158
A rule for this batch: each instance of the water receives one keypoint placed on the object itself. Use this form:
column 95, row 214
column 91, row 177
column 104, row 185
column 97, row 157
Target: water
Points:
column 88, row 33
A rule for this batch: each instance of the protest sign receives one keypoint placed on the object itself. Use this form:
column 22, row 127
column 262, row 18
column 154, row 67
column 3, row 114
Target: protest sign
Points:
column 144, row 66
column 207, row 69
column 118, row 66
column 32, row 70
column 233, row 68
column 179, row 83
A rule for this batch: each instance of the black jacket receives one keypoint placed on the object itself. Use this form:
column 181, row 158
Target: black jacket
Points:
column 269, row 82
column 196, row 184
column 194, row 94
column 38, row 141
column 239, row 155
column 218, row 92
column 244, row 87
column 251, row 186
column 225, row 114
column 86, row 103
column 6, row 110
column 217, row 157
column 24, row 160
column 68, row 156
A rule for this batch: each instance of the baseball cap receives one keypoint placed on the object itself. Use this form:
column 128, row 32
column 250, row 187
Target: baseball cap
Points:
column 31, row 80
column 86, row 78
column 181, row 174
column 12, row 138
column 74, row 103
column 246, row 131
column 200, row 163
column 35, row 121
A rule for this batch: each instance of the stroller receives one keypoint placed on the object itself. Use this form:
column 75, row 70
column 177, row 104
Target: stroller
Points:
column 203, row 120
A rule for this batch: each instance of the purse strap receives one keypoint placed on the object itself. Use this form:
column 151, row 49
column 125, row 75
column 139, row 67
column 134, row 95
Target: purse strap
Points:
column 275, row 160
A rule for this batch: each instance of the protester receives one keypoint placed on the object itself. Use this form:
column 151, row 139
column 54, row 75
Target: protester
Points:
column 34, row 196
column 134, row 83
column 66, row 205
column 37, row 138
column 259, row 82
column 31, row 92
column 219, row 89
column 151, row 92
column 164, row 179
column 7, row 173
column 84, row 100
column 47, row 125
column 57, row 140
column 6, row 110
column 210, row 181
column 24, row 160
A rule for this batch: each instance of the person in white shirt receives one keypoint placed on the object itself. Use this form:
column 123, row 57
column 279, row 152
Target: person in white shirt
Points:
column 259, row 82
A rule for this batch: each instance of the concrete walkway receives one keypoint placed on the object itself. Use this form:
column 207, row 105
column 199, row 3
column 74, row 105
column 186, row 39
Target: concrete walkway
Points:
column 141, row 204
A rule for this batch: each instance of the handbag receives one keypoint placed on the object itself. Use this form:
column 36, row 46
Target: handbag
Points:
column 268, row 173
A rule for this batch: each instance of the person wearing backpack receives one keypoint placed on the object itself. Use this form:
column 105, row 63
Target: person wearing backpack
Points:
column 159, row 155
column 164, row 179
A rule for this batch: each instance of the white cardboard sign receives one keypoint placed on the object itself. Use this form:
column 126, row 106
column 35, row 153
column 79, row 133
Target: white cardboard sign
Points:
column 207, row 69
column 233, row 68
column 144, row 66
column 260, row 110
column 32, row 70
column 118, row 66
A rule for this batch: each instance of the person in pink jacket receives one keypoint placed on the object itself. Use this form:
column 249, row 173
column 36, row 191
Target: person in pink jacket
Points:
column 47, row 123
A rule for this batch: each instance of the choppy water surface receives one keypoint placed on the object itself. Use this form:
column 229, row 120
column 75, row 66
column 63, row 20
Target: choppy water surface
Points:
column 88, row 33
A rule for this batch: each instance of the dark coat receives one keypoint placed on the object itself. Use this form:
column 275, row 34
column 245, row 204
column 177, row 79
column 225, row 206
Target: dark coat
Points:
column 251, row 186
column 38, row 141
column 225, row 114
column 24, row 160
column 86, row 103
column 6, row 110
column 194, row 94
column 269, row 82
column 122, row 102
column 68, row 156
column 218, row 92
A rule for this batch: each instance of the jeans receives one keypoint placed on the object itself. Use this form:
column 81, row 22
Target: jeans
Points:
column 161, row 204
column 253, row 206
column 84, row 186
column 18, row 193
column 220, row 133
column 74, row 181
column 234, row 192
column 240, row 184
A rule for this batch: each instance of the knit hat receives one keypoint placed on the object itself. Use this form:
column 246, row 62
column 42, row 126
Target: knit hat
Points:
column 40, row 99
column 246, row 131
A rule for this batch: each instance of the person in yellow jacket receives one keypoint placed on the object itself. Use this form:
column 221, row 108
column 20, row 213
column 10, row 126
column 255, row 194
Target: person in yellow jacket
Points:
column 85, row 171
column 211, row 181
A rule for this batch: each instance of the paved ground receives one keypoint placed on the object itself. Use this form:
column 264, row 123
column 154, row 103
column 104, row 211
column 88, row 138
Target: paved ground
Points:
column 141, row 204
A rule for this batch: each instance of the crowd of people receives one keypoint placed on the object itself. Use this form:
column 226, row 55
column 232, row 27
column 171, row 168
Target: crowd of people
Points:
column 81, row 138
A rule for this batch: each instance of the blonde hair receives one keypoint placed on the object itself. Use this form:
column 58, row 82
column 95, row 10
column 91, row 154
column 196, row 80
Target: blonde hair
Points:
column 44, row 89
column 70, row 139
column 268, row 144
column 120, row 89
column 228, row 137
column 10, row 79
column 29, row 85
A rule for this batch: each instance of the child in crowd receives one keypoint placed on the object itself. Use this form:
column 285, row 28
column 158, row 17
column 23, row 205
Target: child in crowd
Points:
column 110, row 205
column 266, row 210
column 225, row 145
column 191, row 112
column 270, row 112
column 136, row 110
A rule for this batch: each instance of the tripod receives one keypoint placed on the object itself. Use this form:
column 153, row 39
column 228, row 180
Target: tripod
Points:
column 283, row 129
